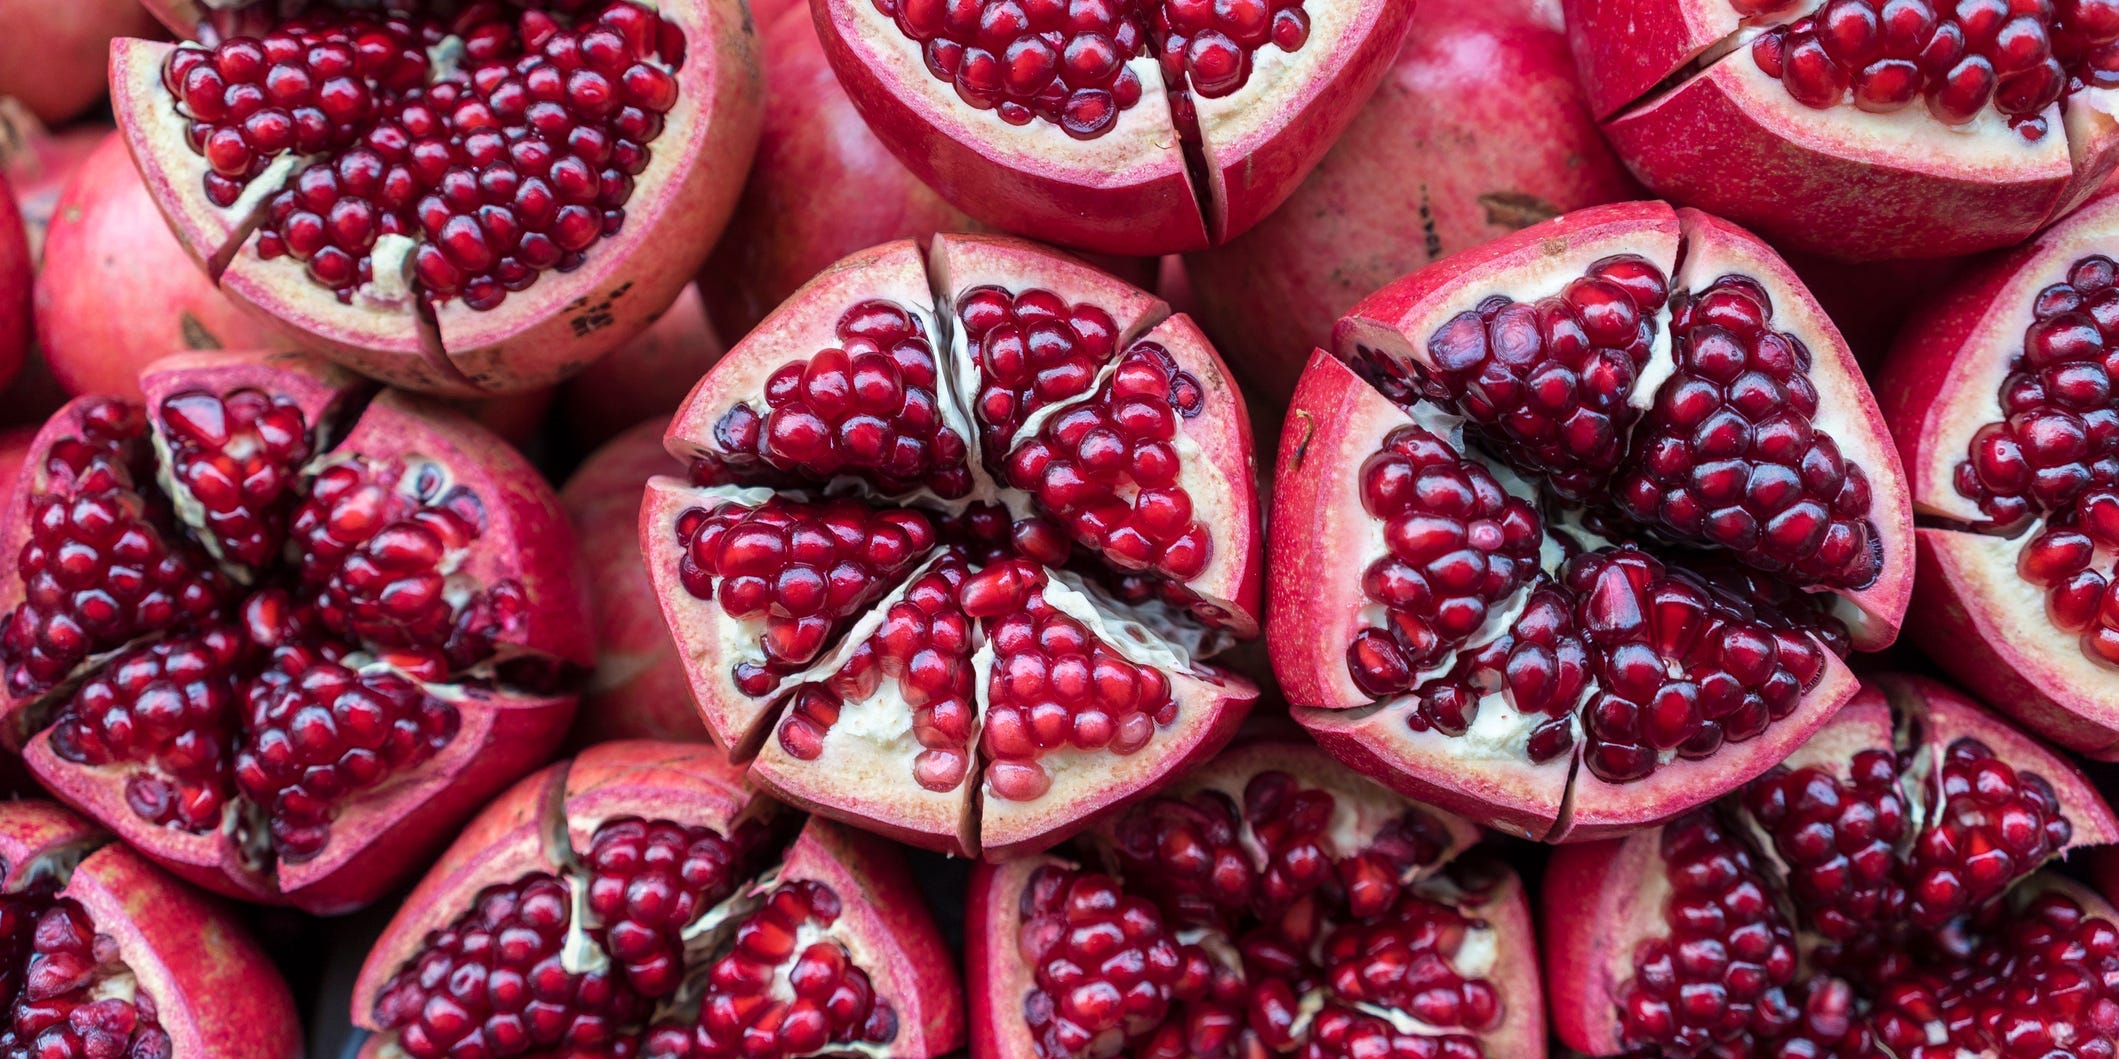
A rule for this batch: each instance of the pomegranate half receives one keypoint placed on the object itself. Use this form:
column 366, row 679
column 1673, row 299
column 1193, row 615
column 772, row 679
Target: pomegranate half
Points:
column 1878, row 894
column 281, row 632
column 958, row 531
column 1574, row 539
column 106, row 955
column 455, row 196
column 1270, row 903
column 1859, row 129
column 642, row 900
column 2010, row 434
column 1120, row 126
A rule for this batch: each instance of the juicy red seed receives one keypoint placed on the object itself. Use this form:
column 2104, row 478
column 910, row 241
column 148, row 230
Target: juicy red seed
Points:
column 1032, row 349
column 1840, row 838
column 510, row 164
column 170, row 709
column 239, row 457
column 648, row 880
column 68, row 988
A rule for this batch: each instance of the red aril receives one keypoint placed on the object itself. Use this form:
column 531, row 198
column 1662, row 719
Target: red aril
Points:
column 279, row 631
column 1270, row 903
column 1114, row 126
column 456, row 198
column 642, row 900
column 1878, row 894
column 959, row 529
column 1574, row 539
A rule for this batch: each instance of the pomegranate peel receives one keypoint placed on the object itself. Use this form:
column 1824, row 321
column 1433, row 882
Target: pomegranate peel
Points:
column 1013, row 365
column 17, row 279
column 400, row 320
column 1408, row 572
column 549, row 826
column 1176, row 169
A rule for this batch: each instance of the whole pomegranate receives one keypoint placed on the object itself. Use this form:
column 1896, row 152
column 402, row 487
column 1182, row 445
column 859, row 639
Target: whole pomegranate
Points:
column 1878, row 894
column 53, row 57
column 639, row 689
column 39, row 163
column 1479, row 130
column 117, row 292
column 1270, row 903
column 456, row 196
column 1119, row 126
column 642, row 900
column 17, row 275
column 104, row 955
column 957, row 532
column 2001, row 388
column 279, row 631
column 1859, row 129
column 1576, row 536
column 644, row 378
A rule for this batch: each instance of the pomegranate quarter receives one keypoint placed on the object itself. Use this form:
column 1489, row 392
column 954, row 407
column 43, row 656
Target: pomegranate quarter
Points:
column 640, row 900
column 957, row 533
column 2002, row 390
column 1860, row 129
column 279, row 631
column 1270, row 904
column 455, row 196
column 1876, row 895
column 107, row 956
column 1119, row 126
column 1576, row 537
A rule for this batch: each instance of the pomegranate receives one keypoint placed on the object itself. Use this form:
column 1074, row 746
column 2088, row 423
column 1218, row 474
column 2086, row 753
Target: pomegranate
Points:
column 1479, row 130
column 639, row 689
column 1119, row 126
column 40, row 163
column 457, row 196
column 1577, row 541
column 1018, row 511
column 641, row 900
column 1877, row 894
column 106, row 955
column 14, row 454
column 116, row 291
column 1871, row 301
column 279, row 632
column 1859, row 129
column 646, row 377
column 1270, row 903
column 17, row 274
column 2009, row 431
column 53, row 57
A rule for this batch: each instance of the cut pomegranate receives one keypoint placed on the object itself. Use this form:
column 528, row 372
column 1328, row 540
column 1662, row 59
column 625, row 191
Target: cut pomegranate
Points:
column 2009, row 429
column 1859, row 129
column 1877, row 894
column 1040, row 515
column 1483, row 107
column 458, row 198
column 278, row 631
column 642, row 900
column 1269, row 903
column 103, row 954
column 1577, row 542
column 1117, row 126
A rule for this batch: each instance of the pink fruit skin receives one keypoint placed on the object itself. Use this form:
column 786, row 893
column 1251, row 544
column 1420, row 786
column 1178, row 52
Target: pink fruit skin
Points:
column 14, row 448
column 17, row 271
column 1478, row 130
column 118, row 292
column 40, row 163
column 52, row 56
column 644, row 378
column 639, row 690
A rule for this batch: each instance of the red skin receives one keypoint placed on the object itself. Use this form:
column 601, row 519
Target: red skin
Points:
column 644, row 378
column 52, row 56
column 41, row 162
column 1870, row 302
column 639, row 690
column 1478, row 130
column 17, row 271
column 108, row 241
column 14, row 448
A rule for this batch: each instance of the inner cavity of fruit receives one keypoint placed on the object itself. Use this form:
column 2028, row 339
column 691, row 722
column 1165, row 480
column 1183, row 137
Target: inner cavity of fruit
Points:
column 776, row 980
column 1066, row 63
column 1900, row 905
column 1221, row 927
column 261, row 694
column 2015, row 59
column 463, row 156
column 2051, row 465
column 65, row 989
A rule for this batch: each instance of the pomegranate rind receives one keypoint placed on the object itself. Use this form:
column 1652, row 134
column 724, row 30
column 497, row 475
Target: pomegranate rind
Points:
column 1662, row 36
column 957, row 262
column 17, row 282
column 888, row 931
column 557, row 326
column 993, row 920
column 1974, row 614
column 707, row 642
column 868, row 782
column 689, row 784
